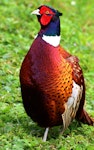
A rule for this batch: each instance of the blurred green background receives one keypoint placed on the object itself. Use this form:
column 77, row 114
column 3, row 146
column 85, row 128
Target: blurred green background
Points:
column 17, row 30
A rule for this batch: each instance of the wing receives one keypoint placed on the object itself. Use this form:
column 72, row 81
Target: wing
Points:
column 74, row 106
column 77, row 73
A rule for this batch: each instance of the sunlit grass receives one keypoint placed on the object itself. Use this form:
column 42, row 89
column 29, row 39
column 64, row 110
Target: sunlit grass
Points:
column 17, row 31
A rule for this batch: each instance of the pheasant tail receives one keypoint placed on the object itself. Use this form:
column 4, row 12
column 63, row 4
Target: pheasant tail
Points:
column 85, row 118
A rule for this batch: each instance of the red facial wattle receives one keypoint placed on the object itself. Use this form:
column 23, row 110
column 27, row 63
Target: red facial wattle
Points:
column 45, row 19
column 46, row 15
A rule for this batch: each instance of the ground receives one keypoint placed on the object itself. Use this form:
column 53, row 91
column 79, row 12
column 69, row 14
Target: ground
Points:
column 17, row 30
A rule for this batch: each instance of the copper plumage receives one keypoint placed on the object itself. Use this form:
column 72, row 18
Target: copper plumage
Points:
column 52, row 82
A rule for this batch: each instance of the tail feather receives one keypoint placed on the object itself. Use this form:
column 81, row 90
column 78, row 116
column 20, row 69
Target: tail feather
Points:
column 85, row 118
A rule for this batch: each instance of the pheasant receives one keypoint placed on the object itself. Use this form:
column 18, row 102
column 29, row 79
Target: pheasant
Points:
column 52, row 82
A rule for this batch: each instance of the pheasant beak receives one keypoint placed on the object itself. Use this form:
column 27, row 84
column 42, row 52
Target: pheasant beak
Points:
column 36, row 12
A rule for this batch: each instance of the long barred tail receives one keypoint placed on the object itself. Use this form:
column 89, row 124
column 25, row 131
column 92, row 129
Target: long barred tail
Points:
column 85, row 118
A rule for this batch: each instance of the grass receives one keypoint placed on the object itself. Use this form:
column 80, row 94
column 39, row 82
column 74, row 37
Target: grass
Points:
column 17, row 30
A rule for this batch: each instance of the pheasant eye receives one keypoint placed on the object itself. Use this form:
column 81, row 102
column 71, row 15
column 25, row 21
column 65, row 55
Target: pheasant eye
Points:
column 47, row 12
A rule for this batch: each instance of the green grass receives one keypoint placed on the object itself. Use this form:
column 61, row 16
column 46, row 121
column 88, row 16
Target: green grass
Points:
column 17, row 30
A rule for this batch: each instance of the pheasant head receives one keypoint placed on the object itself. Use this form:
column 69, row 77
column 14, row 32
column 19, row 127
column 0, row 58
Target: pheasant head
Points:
column 50, row 24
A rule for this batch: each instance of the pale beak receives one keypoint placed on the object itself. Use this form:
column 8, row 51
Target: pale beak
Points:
column 36, row 12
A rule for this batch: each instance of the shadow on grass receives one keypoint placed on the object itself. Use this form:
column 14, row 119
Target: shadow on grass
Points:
column 21, row 123
column 33, row 129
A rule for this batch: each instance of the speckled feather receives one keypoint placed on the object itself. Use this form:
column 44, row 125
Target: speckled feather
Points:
column 49, row 82
column 52, row 78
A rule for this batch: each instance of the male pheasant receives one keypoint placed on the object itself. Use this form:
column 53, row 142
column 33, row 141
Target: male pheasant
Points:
column 52, row 82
